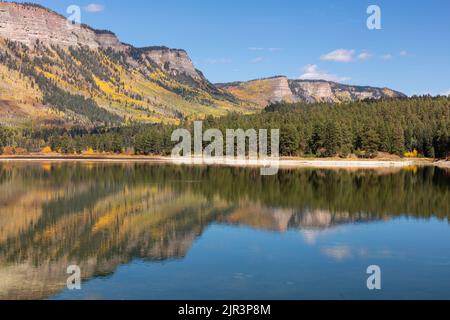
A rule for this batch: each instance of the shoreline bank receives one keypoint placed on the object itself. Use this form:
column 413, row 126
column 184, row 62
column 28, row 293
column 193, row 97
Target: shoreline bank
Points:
column 282, row 163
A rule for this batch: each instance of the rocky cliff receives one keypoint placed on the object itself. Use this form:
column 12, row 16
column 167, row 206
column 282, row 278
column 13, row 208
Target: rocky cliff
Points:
column 326, row 91
column 173, row 61
column 262, row 92
column 28, row 23
column 55, row 66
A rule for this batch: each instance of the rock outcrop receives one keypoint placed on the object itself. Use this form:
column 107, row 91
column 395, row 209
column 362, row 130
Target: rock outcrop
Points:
column 326, row 91
column 27, row 24
column 173, row 61
column 263, row 92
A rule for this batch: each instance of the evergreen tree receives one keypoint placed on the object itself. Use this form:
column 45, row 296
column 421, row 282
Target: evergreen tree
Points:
column 370, row 142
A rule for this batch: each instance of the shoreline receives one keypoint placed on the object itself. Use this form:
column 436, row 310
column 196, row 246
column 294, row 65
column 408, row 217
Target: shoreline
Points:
column 282, row 162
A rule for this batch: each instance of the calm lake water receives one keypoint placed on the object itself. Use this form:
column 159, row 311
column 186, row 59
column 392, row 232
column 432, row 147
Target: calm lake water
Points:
column 148, row 231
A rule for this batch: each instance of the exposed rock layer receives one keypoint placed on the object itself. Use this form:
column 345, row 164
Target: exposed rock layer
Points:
column 262, row 92
column 28, row 24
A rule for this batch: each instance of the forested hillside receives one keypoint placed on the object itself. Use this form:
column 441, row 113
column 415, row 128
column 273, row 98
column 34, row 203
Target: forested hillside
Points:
column 418, row 126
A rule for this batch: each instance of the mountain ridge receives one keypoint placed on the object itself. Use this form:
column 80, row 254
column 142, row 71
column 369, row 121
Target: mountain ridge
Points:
column 280, row 88
column 56, row 73
column 100, row 74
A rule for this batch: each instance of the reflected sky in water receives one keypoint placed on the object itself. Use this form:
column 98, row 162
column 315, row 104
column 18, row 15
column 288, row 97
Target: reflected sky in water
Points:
column 167, row 232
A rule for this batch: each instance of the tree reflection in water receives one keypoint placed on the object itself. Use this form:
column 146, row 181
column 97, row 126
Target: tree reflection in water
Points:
column 100, row 216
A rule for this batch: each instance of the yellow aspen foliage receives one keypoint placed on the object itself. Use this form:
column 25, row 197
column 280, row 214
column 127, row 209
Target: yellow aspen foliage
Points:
column 46, row 150
column 413, row 154
column 89, row 152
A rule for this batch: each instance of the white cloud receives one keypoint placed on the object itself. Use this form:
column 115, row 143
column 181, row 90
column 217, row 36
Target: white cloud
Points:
column 312, row 72
column 339, row 55
column 255, row 49
column 94, row 7
column 257, row 60
column 218, row 61
column 447, row 93
column 343, row 252
column 403, row 53
column 311, row 236
column 275, row 49
column 387, row 56
column 365, row 55
column 338, row 252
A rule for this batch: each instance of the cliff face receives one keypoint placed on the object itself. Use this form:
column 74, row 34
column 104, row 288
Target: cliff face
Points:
column 28, row 24
column 174, row 61
column 325, row 91
column 44, row 59
column 262, row 92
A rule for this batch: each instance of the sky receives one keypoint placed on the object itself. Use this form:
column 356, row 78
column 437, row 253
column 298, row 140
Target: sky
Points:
column 239, row 40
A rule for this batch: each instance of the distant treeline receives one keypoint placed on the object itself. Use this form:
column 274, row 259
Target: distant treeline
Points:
column 395, row 126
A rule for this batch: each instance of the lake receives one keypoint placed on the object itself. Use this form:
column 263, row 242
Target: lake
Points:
column 153, row 231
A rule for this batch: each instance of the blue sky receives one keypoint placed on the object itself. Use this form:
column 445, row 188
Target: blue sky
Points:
column 233, row 40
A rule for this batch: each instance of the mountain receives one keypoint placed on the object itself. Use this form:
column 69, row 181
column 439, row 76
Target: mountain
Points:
column 262, row 92
column 57, row 73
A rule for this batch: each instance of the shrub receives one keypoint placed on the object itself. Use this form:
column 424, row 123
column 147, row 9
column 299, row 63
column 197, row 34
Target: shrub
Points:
column 21, row 151
column 413, row 154
column 89, row 152
column 8, row 151
column 46, row 150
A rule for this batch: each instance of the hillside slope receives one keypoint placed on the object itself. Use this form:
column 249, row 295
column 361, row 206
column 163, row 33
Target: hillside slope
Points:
column 262, row 92
column 55, row 72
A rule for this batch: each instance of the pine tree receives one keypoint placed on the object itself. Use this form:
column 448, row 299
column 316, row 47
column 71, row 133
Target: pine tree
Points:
column 289, row 140
column 370, row 142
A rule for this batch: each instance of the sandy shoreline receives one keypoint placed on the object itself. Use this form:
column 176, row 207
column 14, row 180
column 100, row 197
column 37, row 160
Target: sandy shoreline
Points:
column 442, row 164
column 282, row 163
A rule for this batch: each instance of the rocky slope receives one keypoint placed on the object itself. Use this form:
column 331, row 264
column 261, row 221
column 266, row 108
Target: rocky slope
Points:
column 59, row 73
column 262, row 92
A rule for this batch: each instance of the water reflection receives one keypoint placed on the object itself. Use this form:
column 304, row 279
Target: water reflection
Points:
column 100, row 216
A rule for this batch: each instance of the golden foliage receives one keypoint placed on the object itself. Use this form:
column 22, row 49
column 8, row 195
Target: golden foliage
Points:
column 89, row 152
column 413, row 154
column 46, row 150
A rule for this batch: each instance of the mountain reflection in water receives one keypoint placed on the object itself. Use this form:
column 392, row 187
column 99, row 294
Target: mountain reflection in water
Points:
column 100, row 216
